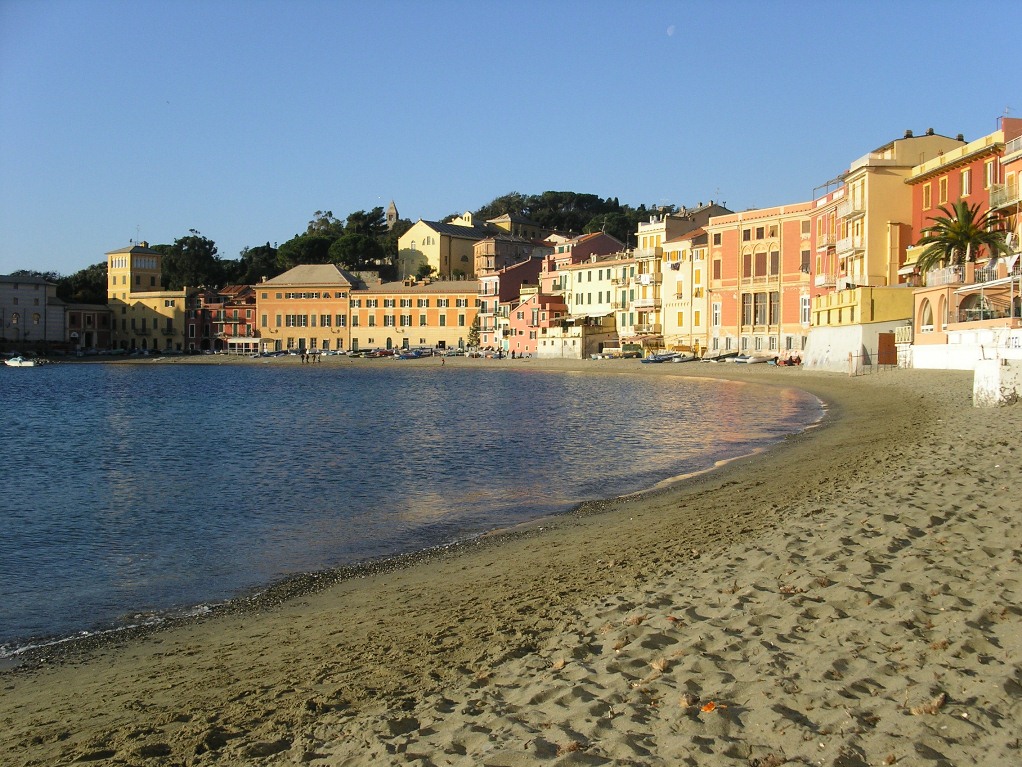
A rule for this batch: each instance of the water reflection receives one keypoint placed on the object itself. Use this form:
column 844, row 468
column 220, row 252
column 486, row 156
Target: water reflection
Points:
column 149, row 487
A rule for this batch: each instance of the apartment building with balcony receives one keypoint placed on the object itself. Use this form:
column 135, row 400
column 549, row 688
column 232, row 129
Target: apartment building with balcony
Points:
column 499, row 291
column 968, row 312
column 306, row 308
column 595, row 294
column 759, row 281
column 862, row 230
column 503, row 250
column 413, row 313
column 223, row 319
column 145, row 317
column 684, row 291
column 536, row 317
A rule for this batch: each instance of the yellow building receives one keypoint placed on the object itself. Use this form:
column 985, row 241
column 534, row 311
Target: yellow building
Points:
column 145, row 317
column 409, row 314
column 685, row 318
column 447, row 249
column 306, row 307
column 862, row 230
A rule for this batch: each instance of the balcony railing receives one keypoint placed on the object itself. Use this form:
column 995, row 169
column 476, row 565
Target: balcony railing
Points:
column 655, row 327
column 645, row 303
column 949, row 275
column 848, row 245
column 825, row 240
column 825, row 280
column 1002, row 195
column 849, row 208
column 903, row 334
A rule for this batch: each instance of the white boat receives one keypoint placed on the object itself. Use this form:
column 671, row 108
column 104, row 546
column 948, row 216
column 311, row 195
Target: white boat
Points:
column 20, row 362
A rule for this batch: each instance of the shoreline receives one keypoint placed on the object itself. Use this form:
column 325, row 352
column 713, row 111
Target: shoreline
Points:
column 35, row 652
column 578, row 638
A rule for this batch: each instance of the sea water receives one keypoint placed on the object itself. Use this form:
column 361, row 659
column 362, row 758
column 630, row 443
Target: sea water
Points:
column 135, row 489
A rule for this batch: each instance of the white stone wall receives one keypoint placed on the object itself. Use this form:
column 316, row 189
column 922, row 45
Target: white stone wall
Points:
column 997, row 382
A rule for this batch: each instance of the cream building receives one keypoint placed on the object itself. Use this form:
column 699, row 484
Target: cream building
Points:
column 145, row 317
column 685, row 306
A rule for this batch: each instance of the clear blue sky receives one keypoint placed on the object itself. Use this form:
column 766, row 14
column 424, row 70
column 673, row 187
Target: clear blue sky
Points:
column 142, row 120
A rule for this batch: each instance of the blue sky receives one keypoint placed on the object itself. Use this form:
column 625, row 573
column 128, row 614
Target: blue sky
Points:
column 142, row 120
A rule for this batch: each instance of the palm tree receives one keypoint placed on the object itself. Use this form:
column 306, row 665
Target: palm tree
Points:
column 959, row 235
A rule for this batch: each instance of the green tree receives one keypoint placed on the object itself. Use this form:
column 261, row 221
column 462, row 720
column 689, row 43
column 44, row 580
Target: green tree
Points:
column 324, row 223
column 87, row 286
column 253, row 265
column 960, row 235
column 191, row 261
column 304, row 249
column 371, row 223
column 353, row 250
column 473, row 333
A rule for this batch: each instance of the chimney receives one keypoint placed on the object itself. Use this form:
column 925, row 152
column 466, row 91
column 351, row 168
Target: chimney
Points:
column 929, row 131
column 960, row 137
column 908, row 134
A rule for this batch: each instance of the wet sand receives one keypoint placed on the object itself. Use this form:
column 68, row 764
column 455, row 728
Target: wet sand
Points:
column 850, row 597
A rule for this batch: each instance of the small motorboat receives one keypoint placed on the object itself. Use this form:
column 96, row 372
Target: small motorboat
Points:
column 21, row 362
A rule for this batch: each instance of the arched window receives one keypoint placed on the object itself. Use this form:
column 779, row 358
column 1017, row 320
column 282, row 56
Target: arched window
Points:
column 925, row 317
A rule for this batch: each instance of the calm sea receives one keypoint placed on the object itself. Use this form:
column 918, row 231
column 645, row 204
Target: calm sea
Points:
column 134, row 489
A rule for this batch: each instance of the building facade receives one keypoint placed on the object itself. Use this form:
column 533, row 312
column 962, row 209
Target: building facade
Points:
column 145, row 317
column 758, row 284
column 306, row 308
column 411, row 313
column 31, row 315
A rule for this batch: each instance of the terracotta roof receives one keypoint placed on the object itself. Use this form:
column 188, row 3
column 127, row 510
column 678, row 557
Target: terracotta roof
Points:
column 136, row 249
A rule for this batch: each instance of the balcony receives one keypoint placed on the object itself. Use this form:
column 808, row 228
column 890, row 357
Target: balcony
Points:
column 646, row 253
column 654, row 278
column 903, row 335
column 850, row 208
column 846, row 246
column 825, row 240
column 655, row 327
column 168, row 331
column 950, row 275
column 825, row 280
column 645, row 303
column 1002, row 195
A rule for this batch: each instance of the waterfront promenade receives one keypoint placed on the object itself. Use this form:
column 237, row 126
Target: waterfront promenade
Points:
column 848, row 597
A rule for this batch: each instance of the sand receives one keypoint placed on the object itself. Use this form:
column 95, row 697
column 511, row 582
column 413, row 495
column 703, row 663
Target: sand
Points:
column 850, row 597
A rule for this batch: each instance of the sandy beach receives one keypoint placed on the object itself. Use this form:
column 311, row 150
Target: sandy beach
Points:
column 850, row 597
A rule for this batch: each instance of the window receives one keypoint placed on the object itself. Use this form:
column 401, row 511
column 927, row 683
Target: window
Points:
column 372, row 321
column 697, row 318
column 746, row 308
column 775, row 308
column 716, row 238
column 966, row 182
column 443, row 320
column 988, row 174
column 406, row 320
column 372, row 303
column 406, row 303
column 354, row 321
column 342, row 321
column 747, row 265
column 716, row 268
column 388, row 321
column 422, row 303
column 443, row 303
column 761, row 264
column 715, row 314
column 461, row 320
column 746, row 235
column 388, row 303
column 927, row 202
column 775, row 262
column 422, row 320
column 942, row 190
column 324, row 320
column 806, row 224
column 759, row 233
column 804, row 265
column 262, row 321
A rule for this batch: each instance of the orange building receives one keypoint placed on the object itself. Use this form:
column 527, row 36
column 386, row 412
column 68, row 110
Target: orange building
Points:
column 409, row 314
column 966, row 312
column 306, row 307
column 759, row 281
